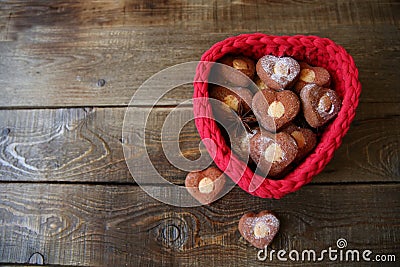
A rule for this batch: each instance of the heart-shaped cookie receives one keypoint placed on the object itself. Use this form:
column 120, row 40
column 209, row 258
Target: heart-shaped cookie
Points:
column 272, row 152
column 309, row 74
column 274, row 110
column 319, row 104
column 237, row 98
column 259, row 229
column 206, row 185
column 305, row 140
column 278, row 73
column 241, row 63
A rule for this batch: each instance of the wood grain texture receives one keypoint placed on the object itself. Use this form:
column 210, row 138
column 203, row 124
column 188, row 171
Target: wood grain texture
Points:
column 117, row 225
column 85, row 145
column 68, row 70
column 54, row 54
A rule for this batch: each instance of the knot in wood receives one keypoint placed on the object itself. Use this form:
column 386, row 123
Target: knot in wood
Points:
column 172, row 233
column 101, row 82
column 54, row 224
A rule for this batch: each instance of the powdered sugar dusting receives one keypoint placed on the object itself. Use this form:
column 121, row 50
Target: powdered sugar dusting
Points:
column 269, row 221
column 320, row 104
column 259, row 229
column 327, row 113
column 261, row 142
column 289, row 68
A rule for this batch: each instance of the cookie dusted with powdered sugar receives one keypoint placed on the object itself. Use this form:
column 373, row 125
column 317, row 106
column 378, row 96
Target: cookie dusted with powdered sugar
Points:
column 319, row 104
column 259, row 229
column 278, row 73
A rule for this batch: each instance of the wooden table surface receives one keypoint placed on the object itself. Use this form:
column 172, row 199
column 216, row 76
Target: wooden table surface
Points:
column 67, row 73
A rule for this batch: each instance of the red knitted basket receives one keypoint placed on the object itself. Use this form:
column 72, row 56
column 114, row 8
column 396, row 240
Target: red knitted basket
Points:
column 315, row 51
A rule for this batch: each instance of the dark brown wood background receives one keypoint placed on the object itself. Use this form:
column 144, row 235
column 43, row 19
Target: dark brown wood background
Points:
column 68, row 70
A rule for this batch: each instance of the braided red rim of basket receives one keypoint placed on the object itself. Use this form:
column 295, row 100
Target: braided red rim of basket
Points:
column 314, row 50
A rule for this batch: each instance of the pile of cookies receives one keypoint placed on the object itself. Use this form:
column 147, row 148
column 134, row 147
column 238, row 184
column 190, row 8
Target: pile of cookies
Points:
column 282, row 115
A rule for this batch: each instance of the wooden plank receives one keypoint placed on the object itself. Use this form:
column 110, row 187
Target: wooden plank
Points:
column 184, row 13
column 55, row 54
column 117, row 225
column 85, row 145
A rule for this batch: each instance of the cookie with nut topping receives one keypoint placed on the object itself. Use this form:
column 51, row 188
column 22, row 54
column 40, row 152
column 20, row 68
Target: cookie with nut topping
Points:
column 272, row 152
column 240, row 63
column 305, row 140
column 274, row 110
column 308, row 74
column 231, row 105
column 238, row 99
column 206, row 185
column 259, row 229
column 278, row 73
column 319, row 104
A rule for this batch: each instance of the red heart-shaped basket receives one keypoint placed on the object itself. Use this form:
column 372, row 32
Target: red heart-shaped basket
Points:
column 311, row 49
